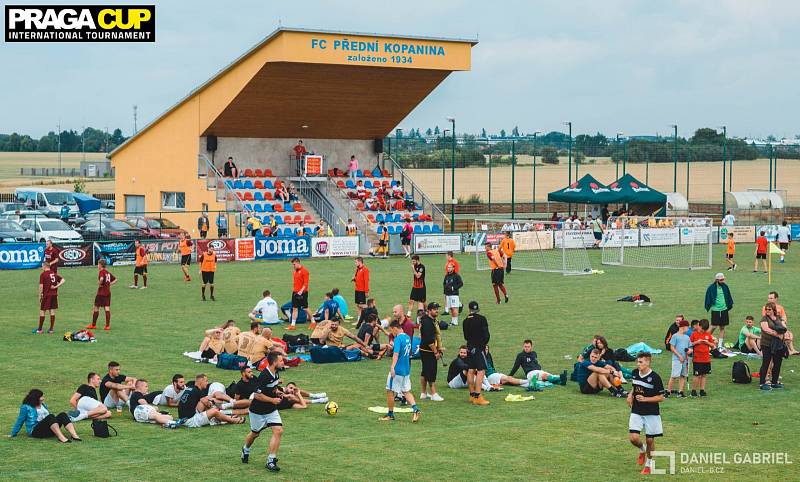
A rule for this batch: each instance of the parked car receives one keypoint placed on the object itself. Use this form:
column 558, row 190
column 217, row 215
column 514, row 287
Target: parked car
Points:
column 6, row 207
column 102, row 229
column 49, row 201
column 108, row 204
column 42, row 228
column 101, row 213
column 12, row 232
column 156, row 227
column 22, row 214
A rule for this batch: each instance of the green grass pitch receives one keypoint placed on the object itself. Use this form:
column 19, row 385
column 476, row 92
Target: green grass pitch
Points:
column 560, row 435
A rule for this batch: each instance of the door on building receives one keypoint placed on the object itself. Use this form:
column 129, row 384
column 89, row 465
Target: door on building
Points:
column 134, row 205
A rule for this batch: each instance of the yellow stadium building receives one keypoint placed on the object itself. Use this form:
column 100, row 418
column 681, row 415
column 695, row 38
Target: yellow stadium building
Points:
column 340, row 93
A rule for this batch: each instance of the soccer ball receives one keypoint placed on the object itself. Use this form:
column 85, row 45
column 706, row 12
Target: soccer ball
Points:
column 331, row 408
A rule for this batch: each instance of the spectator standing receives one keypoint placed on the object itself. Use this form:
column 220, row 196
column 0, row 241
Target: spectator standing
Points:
column 783, row 238
column 352, row 168
column 729, row 219
column 222, row 225
column 405, row 236
column 202, row 225
column 719, row 301
column 773, row 347
column 762, row 246
column 299, row 152
column 64, row 213
column 229, row 169
column 430, row 353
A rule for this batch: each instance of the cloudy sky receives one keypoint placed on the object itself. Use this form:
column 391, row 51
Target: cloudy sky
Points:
column 615, row 65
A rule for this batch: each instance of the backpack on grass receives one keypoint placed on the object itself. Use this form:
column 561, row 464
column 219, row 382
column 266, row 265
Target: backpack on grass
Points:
column 101, row 429
column 740, row 372
column 227, row 361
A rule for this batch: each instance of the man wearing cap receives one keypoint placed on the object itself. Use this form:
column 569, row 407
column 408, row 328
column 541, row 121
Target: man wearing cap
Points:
column 719, row 301
column 429, row 352
column 476, row 333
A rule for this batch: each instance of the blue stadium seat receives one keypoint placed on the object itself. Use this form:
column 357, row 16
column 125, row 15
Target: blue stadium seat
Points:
column 237, row 184
column 368, row 184
column 416, row 217
column 350, row 184
column 380, row 217
column 248, row 207
column 288, row 207
column 436, row 229
column 229, row 183
column 268, row 208
column 258, row 208
column 248, row 184
column 288, row 232
column 377, row 173
column 258, row 196
column 278, row 219
column 359, row 173
column 395, row 182
column 265, row 220
column 426, row 228
column 268, row 184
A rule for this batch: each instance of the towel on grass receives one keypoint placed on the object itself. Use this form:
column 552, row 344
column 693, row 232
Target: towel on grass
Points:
column 385, row 410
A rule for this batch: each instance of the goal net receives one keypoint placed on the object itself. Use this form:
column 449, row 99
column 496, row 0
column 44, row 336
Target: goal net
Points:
column 540, row 245
column 649, row 242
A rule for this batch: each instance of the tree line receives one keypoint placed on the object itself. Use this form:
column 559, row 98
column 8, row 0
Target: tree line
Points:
column 90, row 140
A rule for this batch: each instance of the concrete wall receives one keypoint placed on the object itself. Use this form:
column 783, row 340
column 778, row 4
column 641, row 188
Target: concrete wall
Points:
column 274, row 153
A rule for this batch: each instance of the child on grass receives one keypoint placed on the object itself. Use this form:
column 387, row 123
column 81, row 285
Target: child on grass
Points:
column 680, row 346
column 702, row 344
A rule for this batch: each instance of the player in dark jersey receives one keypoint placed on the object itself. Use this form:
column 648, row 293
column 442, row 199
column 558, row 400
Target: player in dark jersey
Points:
column 103, row 297
column 49, row 282
column 264, row 411
column 647, row 392
column 51, row 253
column 418, row 294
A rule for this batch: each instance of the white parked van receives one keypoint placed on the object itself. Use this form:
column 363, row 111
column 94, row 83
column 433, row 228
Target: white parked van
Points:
column 49, row 201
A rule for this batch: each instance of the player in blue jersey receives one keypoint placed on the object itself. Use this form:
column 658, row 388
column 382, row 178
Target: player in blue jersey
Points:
column 399, row 379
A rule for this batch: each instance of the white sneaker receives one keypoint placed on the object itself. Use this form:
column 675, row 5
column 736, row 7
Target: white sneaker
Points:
column 133, row 287
column 437, row 398
column 453, row 323
column 423, row 396
column 143, row 288
column 318, row 395
column 321, row 400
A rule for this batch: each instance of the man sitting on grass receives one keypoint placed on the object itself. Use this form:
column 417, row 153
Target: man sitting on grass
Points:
column 594, row 375
column 197, row 410
column 750, row 337
column 142, row 410
column 334, row 336
column 369, row 333
column 495, row 379
column 527, row 360
column 171, row 394
column 294, row 397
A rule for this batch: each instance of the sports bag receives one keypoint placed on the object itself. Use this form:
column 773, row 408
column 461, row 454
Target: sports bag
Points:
column 622, row 355
column 228, row 361
column 740, row 372
column 101, row 429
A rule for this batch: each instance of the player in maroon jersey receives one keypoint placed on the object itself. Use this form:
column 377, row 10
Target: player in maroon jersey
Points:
column 51, row 253
column 103, row 297
column 49, row 282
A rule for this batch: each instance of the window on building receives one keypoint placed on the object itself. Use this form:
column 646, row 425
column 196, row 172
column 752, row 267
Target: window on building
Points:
column 173, row 200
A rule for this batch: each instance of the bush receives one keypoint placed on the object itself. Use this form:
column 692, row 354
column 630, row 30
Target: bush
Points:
column 79, row 186
column 549, row 155
column 472, row 199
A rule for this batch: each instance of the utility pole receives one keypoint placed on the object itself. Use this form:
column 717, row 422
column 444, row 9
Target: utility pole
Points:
column 59, row 145
column 135, row 108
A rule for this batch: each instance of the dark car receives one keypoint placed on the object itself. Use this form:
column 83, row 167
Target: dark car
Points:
column 5, row 207
column 156, row 227
column 113, row 229
column 101, row 213
column 12, row 232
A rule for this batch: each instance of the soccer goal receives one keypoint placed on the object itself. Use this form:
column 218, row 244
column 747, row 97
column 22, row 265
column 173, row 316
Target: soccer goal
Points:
column 670, row 242
column 540, row 245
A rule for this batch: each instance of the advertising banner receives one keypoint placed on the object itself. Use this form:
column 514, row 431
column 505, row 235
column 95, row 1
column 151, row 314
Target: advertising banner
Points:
column 531, row 240
column 612, row 238
column 795, row 228
column 334, row 246
column 574, row 238
column 437, row 243
column 771, row 231
column 21, row 255
column 473, row 241
column 224, row 248
column 313, row 165
column 114, row 252
column 659, row 236
column 75, row 254
column 741, row 234
column 698, row 235
column 283, row 247
column 162, row 251
column 245, row 249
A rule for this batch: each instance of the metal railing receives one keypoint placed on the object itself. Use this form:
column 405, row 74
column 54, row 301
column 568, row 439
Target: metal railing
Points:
column 418, row 195
column 215, row 181
column 347, row 210
column 323, row 205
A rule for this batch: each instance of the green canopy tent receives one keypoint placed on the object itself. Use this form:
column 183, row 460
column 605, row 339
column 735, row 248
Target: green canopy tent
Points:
column 586, row 190
column 637, row 195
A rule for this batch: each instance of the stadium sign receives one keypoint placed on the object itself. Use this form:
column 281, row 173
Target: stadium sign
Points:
column 75, row 254
column 741, row 234
column 574, row 238
column 612, row 238
column 159, row 251
column 80, row 23
column 437, row 243
column 533, row 240
column 21, row 255
column 695, row 235
column 659, row 236
column 115, row 252
column 224, row 248
column 334, row 246
column 283, row 247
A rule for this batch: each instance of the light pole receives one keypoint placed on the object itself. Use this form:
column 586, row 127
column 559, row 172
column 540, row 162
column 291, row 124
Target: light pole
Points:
column 724, row 162
column 513, row 176
column 569, row 159
column 616, row 163
column 533, row 199
column 453, row 179
column 675, row 158
column 444, row 134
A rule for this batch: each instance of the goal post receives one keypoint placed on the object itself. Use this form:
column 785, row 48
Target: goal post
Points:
column 651, row 242
column 540, row 245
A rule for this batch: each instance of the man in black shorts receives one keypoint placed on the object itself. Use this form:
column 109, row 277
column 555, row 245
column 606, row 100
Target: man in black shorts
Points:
column 719, row 301
column 418, row 290
column 476, row 333
column 429, row 353
column 369, row 332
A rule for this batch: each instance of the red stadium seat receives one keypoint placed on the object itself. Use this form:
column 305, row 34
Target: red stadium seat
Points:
column 258, row 184
column 248, row 173
column 288, row 219
column 266, row 230
column 386, row 184
column 268, row 195
column 239, row 195
column 367, row 174
column 298, row 207
column 360, row 206
column 248, row 196
column 308, row 219
column 340, row 183
column 371, row 218
column 330, row 172
column 278, row 184
column 268, row 172
column 258, row 173
column 278, row 207
column 297, row 219
column 386, row 173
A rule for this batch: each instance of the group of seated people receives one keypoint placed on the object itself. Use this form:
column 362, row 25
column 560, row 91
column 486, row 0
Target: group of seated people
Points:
column 382, row 197
column 199, row 403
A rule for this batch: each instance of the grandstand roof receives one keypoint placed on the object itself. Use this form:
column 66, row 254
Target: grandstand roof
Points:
column 320, row 84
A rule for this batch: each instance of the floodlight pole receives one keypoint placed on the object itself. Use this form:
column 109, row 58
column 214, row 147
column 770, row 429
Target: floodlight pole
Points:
column 513, row 176
column 616, row 161
column 675, row 158
column 453, row 180
column 569, row 159
column 724, row 163
column 533, row 199
column 444, row 175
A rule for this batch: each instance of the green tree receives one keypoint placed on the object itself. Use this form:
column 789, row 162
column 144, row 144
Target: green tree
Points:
column 549, row 155
column 503, row 133
column 436, row 131
column 429, row 132
column 483, row 133
column 515, row 131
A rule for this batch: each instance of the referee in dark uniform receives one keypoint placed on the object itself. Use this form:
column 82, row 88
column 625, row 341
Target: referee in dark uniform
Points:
column 476, row 333
column 429, row 352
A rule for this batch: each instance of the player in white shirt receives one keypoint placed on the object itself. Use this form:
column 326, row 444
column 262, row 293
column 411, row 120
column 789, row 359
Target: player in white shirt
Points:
column 266, row 310
column 784, row 237
column 729, row 219
column 172, row 392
